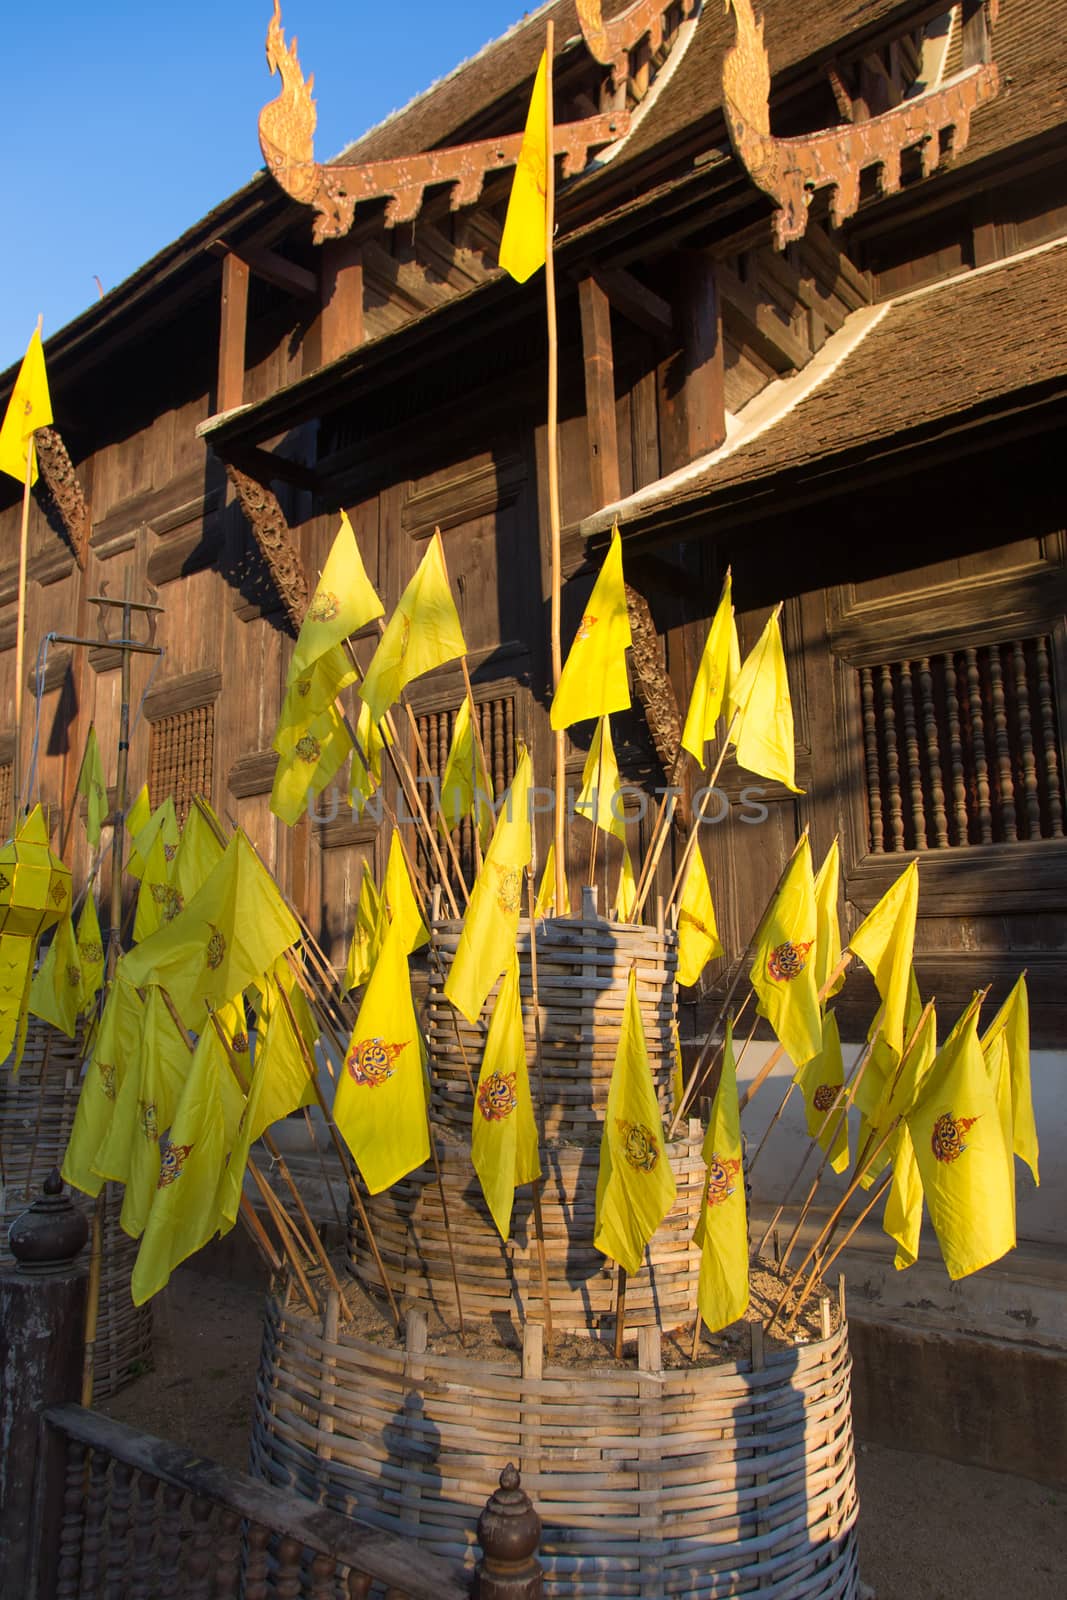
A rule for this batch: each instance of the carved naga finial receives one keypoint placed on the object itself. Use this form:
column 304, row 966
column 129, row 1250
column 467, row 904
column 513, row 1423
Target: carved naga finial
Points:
column 287, row 124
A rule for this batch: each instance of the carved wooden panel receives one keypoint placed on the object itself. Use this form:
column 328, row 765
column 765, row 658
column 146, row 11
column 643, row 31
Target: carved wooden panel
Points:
column 181, row 756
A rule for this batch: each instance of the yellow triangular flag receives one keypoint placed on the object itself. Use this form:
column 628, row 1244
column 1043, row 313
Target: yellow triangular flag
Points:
column 635, row 1185
column 545, row 904
column 716, row 674
column 466, row 788
column 116, row 1052
column 366, row 770
column 424, row 632
column 601, row 801
column 504, row 1133
column 310, row 695
column 962, row 1158
column 763, row 731
column 344, row 601
column 722, row 1229
column 199, row 849
column 885, row 942
column 56, row 989
column 163, row 821
column 626, row 894
column 1012, row 1024
column 380, row 1105
column 29, row 408
column 783, row 972
column 314, row 761
column 90, row 953
column 491, row 924
column 363, row 951
column 399, row 897
column 138, row 817
column 593, row 681
column 158, row 900
column 828, row 937
column 93, row 785
column 523, row 242
column 903, row 1217
column 698, row 936
column 819, row 1081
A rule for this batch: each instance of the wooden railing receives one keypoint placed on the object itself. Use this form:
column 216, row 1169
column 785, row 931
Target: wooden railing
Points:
column 147, row 1520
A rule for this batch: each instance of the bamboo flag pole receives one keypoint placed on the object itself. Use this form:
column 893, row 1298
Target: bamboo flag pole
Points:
column 20, row 624
column 554, row 520
column 539, row 1225
column 476, row 727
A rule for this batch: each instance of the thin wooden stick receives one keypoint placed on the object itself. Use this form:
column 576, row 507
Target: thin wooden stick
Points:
column 652, row 854
column 709, row 790
column 823, row 1263
column 258, row 1234
column 322, row 1167
column 20, row 625
column 776, row 1055
column 552, row 444
column 698, row 1325
column 620, row 1311
column 480, row 747
column 539, row 1055
column 448, row 1237
column 648, row 871
column 287, row 1233
column 596, row 804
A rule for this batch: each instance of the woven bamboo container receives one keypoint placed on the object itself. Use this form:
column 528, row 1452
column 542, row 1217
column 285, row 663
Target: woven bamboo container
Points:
column 700, row 1481
column 583, row 968
column 36, row 1115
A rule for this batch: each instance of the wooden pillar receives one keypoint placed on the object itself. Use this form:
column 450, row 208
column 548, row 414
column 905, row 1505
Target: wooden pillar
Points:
column 342, row 299
column 599, row 392
column 42, row 1322
column 232, row 329
column 692, row 404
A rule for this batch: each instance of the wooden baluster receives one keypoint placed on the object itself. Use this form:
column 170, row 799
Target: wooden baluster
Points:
column 287, row 1577
column 142, row 1584
column 981, row 763
column 892, row 763
column 955, row 747
column 509, row 735
column 911, row 755
column 68, row 1568
column 500, row 747
column 227, row 1555
column 1002, row 745
column 1050, row 746
column 359, row 1585
column 870, row 746
column 118, row 1531
column 169, row 1543
column 200, row 1560
column 321, row 1586
column 933, row 753
column 256, row 1566
column 1031, row 791
column 95, row 1517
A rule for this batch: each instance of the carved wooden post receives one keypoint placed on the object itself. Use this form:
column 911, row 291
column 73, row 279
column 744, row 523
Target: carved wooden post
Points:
column 42, row 1319
column 509, row 1531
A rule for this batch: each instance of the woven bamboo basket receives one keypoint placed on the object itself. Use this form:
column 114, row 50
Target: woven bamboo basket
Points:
column 698, row 1481
column 36, row 1115
column 498, row 1278
column 583, row 968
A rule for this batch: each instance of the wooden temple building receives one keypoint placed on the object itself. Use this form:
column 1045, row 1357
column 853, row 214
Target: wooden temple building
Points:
column 835, row 361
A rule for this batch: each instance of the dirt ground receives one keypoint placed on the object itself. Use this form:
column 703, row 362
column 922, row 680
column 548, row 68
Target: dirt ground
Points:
column 929, row 1529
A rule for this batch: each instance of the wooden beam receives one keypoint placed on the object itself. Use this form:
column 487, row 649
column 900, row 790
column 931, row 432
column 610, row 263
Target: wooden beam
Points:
column 760, row 325
column 402, row 282
column 267, row 467
column 232, row 329
column 692, row 405
column 599, row 392
column 342, row 326
column 458, row 266
column 272, row 268
column 638, row 304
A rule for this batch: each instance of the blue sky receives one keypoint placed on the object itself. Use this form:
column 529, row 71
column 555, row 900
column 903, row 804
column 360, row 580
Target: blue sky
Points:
column 125, row 121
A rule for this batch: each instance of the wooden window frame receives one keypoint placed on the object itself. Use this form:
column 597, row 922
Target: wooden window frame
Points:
column 192, row 692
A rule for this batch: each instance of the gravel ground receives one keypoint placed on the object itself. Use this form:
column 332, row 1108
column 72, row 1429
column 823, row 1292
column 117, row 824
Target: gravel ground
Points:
column 929, row 1529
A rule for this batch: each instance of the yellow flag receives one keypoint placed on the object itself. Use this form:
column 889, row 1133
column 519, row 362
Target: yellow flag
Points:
column 890, row 1084
column 722, row 1229
column 162, row 822
column 56, row 988
column 344, row 601
column 466, row 788
column 230, row 933
column 593, row 681
column 783, row 972
column 1012, row 1024
column 885, row 942
column 144, row 1109
column 280, row 1082
column 545, row 903
column 963, row 1161
column 828, row 937
column 491, row 924
column 698, row 936
column 363, row 950
column 138, row 816
column 29, row 408
column 504, row 1133
column 116, row 1052
column 716, row 674
column 315, row 760
column 635, row 1185
column 399, row 896
column 199, row 849
column 601, row 800
column 423, row 632
column 380, row 1105
column 185, row 1211
column 626, row 894
column 763, row 732
column 93, row 785
column 158, row 900
column 903, row 1217
column 310, row 695
column 819, row 1081
column 522, row 244
column 366, row 770
column 90, row 953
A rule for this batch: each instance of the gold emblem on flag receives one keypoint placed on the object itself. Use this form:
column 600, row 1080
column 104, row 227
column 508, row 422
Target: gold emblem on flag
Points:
column 239, row 1044
column 74, row 976
column 147, row 1119
column 92, row 951
column 585, row 627
column 307, row 749
column 722, row 1173
column 509, row 890
column 824, row 1096
column 216, row 949
column 639, row 1144
column 168, row 899
column 946, row 1141
column 172, row 1159
column 788, row 960
column 107, row 1074
column 496, row 1096
column 324, row 607
column 370, row 1062
column 169, row 851
column 303, row 687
